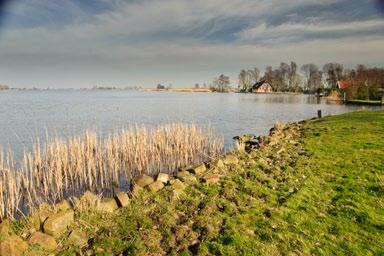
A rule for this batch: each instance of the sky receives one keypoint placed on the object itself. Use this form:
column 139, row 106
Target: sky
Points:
column 83, row 43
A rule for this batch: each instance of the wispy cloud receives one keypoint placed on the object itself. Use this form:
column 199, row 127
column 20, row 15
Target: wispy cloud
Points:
column 80, row 43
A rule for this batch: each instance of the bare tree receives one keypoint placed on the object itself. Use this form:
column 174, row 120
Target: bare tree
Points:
column 221, row 83
column 313, row 76
column 243, row 81
column 334, row 72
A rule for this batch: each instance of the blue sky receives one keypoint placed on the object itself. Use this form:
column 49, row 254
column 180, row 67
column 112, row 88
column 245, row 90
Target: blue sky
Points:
column 72, row 43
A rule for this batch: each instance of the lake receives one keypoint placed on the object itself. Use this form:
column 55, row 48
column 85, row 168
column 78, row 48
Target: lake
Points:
column 27, row 114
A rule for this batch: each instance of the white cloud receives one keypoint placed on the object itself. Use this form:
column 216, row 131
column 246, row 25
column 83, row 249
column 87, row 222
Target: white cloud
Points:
column 122, row 46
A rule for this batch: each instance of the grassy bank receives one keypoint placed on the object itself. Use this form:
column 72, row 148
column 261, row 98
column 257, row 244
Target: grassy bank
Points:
column 322, row 196
column 315, row 188
column 366, row 102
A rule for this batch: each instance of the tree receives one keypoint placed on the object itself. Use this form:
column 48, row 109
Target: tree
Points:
column 221, row 83
column 160, row 87
column 243, row 81
column 197, row 86
column 248, row 78
column 314, row 78
column 4, row 87
column 334, row 73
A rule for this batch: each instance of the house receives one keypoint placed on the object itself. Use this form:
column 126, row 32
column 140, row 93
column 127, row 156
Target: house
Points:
column 341, row 84
column 262, row 87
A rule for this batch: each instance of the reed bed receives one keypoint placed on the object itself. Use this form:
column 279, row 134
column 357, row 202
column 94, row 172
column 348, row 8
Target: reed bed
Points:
column 65, row 167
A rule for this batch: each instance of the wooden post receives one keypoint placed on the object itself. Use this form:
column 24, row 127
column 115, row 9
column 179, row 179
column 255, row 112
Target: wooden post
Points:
column 319, row 113
column 345, row 97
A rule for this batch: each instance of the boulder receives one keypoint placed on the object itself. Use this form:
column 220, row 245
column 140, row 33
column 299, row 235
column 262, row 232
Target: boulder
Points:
column 122, row 199
column 87, row 200
column 107, row 205
column 63, row 206
column 177, row 184
column 78, row 238
column 57, row 224
column 163, row 177
column 155, row 186
column 136, row 191
column 46, row 242
column 5, row 229
column 219, row 164
column 199, row 170
column 211, row 178
column 178, row 188
column 13, row 246
column 230, row 159
column 186, row 176
column 143, row 180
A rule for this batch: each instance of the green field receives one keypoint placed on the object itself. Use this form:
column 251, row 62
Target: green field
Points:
column 318, row 191
column 366, row 102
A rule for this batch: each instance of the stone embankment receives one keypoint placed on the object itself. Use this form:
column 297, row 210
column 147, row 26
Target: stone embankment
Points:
column 52, row 228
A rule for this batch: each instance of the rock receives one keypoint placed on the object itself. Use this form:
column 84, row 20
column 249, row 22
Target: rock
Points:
column 199, row 170
column 136, row 191
column 107, row 205
column 34, row 220
column 178, row 188
column 163, row 177
column 143, row 180
column 219, row 164
column 177, row 184
column 186, row 176
column 122, row 199
column 88, row 200
column 231, row 159
column 78, row 238
column 57, row 223
column 155, row 186
column 47, row 242
column 64, row 206
column 13, row 246
column 5, row 229
column 211, row 178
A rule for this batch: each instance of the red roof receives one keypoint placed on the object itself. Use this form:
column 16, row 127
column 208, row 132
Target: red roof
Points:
column 342, row 84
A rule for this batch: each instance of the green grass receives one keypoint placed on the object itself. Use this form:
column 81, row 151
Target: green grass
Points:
column 366, row 102
column 321, row 196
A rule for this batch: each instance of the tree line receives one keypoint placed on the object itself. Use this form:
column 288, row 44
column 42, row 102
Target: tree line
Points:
column 312, row 79
column 4, row 87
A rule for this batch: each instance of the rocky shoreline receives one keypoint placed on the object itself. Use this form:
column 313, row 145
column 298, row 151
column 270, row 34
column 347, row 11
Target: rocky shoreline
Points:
column 53, row 228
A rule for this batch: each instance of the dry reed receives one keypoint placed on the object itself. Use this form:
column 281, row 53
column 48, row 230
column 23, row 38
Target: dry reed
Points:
column 68, row 167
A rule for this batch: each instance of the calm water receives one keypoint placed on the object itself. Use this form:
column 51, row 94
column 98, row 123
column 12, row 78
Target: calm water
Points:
column 25, row 114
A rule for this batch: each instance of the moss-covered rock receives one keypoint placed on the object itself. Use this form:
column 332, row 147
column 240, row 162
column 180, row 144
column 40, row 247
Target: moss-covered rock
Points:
column 64, row 205
column 78, row 238
column 199, row 170
column 143, row 180
column 122, row 199
column 163, row 177
column 5, row 229
column 155, row 186
column 58, row 223
column 107, row 205
column 45, row 241
column 186, row 177
column 13, row 246
column 231, row 159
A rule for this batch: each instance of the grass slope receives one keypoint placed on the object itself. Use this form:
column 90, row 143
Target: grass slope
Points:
column 321, row 194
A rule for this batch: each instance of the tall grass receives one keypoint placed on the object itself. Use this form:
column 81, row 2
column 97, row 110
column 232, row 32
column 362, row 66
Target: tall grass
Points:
column 67, row 167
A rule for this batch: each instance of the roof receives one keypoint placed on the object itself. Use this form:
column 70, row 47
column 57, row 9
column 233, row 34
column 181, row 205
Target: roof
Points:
column 342, row 84
column 258, row 85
